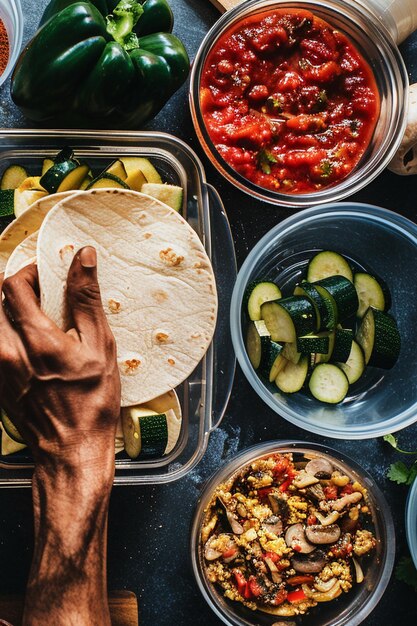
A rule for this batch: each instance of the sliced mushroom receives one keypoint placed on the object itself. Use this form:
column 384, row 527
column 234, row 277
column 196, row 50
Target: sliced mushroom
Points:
column 211, row 553
column 316, row 492
column 349, row 498
column 273, row 524
column 320, row 467
column 278, row 505
column 319, row 534
column 295, row 538
column 232, row 520
column 326, row 596
column 320, row 585
column 329, row 519
column 309, row 564
column 304, row 479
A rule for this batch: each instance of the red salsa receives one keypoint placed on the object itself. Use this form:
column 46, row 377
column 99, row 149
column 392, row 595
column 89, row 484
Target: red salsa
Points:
column 288, row 101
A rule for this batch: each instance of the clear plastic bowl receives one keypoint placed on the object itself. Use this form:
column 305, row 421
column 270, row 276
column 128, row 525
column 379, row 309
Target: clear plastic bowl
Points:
column 375, row 43
column 12, row 17
column 380, row 241
column 348, row 610
column 411, row 522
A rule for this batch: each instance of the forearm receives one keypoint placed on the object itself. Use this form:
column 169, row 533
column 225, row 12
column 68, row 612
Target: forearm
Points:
column 67, row 583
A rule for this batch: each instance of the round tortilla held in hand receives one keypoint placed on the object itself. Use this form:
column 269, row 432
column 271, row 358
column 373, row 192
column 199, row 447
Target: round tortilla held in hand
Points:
column 22, row 255
column 156, row 280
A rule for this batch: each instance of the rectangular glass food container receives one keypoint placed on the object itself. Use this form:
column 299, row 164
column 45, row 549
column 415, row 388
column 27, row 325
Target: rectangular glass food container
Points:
column 204, row 395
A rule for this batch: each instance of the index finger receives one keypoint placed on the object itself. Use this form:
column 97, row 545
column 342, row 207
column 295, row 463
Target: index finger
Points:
column 21, row 293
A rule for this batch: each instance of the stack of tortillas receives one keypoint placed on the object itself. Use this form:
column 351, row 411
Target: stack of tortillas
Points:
column 156, row 280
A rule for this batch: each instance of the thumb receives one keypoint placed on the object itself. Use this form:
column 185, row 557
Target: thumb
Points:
column 83, row 293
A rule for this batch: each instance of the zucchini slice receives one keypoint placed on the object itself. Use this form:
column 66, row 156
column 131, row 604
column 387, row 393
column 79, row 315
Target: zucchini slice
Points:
column 258, row 343
column 291, row 353
column 256, row 294
column 329, row 312
column 57, row 173
column 6, row 202
column 13, row 176
column 313, row 344
column 343, row 338
column 141, row 163
column 328, row 263
column 273, row 364
column 289, row 317
column 324, row 357
column 172, row 195
column 328, row 383
column 135, row 180
column 46, row 164
column 309, row 291
column 145, row 431
column 355, row 364
column 293, row 376
column 371, row 292
column 11, row 429
column 117, row 169
column 379, row 338
column 343, row 293
column 104, row 181
column 66, row 154
column 9, row 445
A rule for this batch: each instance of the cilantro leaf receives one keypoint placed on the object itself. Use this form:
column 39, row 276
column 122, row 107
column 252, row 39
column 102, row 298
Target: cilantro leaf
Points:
column 393, row 441
column 265, row 158
column 326, row 169
column 406, row 572
column 398, row 472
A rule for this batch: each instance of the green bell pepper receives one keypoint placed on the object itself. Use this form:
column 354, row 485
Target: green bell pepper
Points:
column 100, row 63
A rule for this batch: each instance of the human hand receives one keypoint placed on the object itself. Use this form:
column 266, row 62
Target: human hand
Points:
column 61, row 389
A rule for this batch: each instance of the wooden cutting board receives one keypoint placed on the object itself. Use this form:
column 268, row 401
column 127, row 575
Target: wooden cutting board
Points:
column 225, row 5
column 123, row 609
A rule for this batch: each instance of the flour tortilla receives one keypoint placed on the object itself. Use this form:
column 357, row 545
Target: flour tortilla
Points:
column 157, row 283
column 22, row 255
column 26, row 224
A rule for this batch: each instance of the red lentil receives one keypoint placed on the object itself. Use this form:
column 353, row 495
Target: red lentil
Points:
column 4, row 47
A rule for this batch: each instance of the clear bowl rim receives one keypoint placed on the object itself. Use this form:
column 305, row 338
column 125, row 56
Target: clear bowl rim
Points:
column 411, row 521
column 356, row 180
column 378, row 214
column 261, row 449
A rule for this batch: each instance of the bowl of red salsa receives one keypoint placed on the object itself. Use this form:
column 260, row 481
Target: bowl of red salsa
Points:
column 298, row 103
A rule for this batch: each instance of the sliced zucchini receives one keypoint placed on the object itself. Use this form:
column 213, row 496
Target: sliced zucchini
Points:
column 256, row 294
column 328, row 263
column 343, row 293
column 24, row 199
column 258, row 343
column 329, row 312
column 116, row 169
column 355, row 365
column 143, row 164
column 74, row 178
column 66, row 154
column 293, row 376
column 46, row 164
column 31, row 182
column 55, row 175
column 87, row 180
column 8, row 445
column 291, row 353
column 172, row 195
column 13, row 176
column 289, row 317
column 135, row 180
column 310, row 344
column 6, row 202
column 107, row 180
column 145, row 431
column 371, row 292
column 270, row 367
column 342, row 344
column 324, row 357
column 11, row 429
column 379, row 338
column 328, row 383
column 309, row 291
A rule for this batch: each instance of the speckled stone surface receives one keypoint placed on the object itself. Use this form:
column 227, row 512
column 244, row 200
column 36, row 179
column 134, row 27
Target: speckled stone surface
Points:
column 149, row 526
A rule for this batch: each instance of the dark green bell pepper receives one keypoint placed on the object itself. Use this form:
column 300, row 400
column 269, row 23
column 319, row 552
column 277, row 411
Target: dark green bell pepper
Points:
column 100, row 64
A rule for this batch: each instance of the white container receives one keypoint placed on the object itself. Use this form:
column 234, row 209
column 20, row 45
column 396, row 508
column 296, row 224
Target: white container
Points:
column 398, row 16
column 12, row 17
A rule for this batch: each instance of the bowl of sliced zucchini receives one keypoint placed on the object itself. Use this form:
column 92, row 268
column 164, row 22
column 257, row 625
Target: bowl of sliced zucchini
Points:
column 323, row 318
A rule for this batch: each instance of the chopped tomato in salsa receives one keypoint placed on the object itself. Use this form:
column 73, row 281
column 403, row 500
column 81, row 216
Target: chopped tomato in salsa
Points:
column 288, row 101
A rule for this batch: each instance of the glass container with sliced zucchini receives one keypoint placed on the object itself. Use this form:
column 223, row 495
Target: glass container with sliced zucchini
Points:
column 320, row 337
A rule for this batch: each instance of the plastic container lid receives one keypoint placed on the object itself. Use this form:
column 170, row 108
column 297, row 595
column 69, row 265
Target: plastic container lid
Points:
column 12, row 17
column 411, row 522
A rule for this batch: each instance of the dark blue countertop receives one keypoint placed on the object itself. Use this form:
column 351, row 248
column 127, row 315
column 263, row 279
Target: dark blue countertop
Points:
column 149, row 526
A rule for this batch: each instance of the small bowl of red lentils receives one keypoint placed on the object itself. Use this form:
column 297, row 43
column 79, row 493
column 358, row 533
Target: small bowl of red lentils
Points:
column 11, row 35
column 298, row 103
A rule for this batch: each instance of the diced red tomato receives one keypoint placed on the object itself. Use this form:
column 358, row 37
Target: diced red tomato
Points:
column 330, row 491
column 296, row 596
column 255, row 587
column 227, row 554
column 280, row 597
column 311, row 520
column 240, row 581
column 272, row 555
